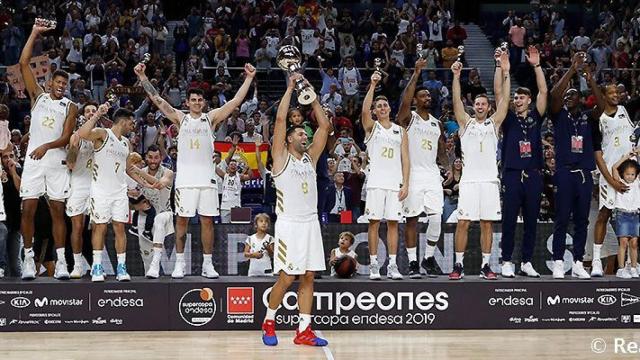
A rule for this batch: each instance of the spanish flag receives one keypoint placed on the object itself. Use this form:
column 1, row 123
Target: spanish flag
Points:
column 245, row 154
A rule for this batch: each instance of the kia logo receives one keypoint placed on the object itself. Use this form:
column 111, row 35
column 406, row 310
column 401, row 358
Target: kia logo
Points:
column 20, row 302
column 607, row 299
column 553, row 300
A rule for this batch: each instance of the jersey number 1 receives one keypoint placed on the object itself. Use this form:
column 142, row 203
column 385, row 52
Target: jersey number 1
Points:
column 194, row 144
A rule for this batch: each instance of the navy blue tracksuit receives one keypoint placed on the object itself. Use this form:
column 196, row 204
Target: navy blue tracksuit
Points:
column 575, row 141
column 522, row 180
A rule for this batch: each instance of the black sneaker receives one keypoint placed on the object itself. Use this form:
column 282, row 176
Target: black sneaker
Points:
column 147, row 234
column 414, row 270
column 486, row 273
column 133, row 230
column 431, row 267
column 457, row 273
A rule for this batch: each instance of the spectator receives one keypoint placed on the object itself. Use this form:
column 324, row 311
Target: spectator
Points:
column 457, row 34
column 338, row 198
column 332, row 98
column 517, row 35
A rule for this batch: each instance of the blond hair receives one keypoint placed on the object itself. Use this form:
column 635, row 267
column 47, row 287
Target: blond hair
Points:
column 262, row 216
column 349, row 234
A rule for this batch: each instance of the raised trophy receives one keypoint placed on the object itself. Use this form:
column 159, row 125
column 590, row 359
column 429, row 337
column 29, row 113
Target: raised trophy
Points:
column 145, row 58
column 289, row 59
column 504, row 47
column 419, row 50
column 460, row 52
column 112, row 98
column 50, row 24
column 377, row 62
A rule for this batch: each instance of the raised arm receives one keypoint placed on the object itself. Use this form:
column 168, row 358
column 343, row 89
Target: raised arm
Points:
column 322, row 132
column 458, row 107
column 367, row 120
column 442, row 157
column 557, row 92
column 404, row 112
column 503, row 103
column 279, row 147
column 72, row 153
column 234, row 146
column 614, row 168
column 534, row 60
column 220, row 114
column 595, row 88
column 497, row 75
column 88, row 130
column 169, row 111
column 25, row 68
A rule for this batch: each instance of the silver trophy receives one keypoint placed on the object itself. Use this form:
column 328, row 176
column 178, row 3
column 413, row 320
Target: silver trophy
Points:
column 50, row 24
column 289, row 59
column 419, row 50
column 112, row 98
column 460, row 52
column 145, row 58
column 504, row 47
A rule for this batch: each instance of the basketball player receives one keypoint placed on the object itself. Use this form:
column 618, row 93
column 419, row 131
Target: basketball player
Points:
column 196, row 187
column 522, row 166
column 426, row 145
column 574, row 148
column 53, row 118
column 231, row 184
column 298, row 248
column 160, row 197
column 615, row 129
column 479, row 184
column 109, row 200
column 79, row 161
column 388, row 179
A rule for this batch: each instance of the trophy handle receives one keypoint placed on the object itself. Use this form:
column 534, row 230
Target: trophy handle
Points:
column 306, row 96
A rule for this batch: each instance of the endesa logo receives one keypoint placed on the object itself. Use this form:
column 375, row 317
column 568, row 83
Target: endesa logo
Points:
column 121, row 302
column 240, row 300
column 197, row 306
column 511, row 301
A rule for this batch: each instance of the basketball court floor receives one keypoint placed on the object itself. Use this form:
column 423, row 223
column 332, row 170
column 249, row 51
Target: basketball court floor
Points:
column 401, row 345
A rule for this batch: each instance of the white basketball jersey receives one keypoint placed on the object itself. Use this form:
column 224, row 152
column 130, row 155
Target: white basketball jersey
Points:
column 81, row 174
column 479, row 142
column 47, row 123
column 160, row 199
column 423, row 146
column 231, row 187
column 258, row 267
column 296, row 190
column 616, row 131
column 629, row 200
column 350, row 81
column 109, row 164
column 195, row 153
column 384, row 148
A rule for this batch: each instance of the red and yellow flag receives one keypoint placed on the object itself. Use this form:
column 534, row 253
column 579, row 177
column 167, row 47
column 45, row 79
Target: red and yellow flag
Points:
column 245, row 154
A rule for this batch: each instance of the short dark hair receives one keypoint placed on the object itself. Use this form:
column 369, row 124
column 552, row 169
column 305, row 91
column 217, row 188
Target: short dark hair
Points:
column 420, row 88
column 61, row 73
column 196, row 91
column 523, row 91
column 88, row 103
column 293, row 128
column 627, row 164
column 122, row 113
column 216, row 152
column 153, row 148
column 172, row 147
column 483, row 95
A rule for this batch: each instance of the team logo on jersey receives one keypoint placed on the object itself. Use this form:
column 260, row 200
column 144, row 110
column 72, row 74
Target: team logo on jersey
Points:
column 396, row 132
column 434, row 124
column 487, row 123
column 621, row 116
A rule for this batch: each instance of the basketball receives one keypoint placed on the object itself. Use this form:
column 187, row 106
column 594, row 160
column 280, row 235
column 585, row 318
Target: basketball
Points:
column 345, row 267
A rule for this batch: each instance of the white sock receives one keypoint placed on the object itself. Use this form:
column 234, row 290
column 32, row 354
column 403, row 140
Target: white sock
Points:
column 596, row 251
column 61, row 257
column 412, row 254
column 77, row 259
column 180, row 257
column 157, row 254
column 429, row 251
column 97, row 257
column 271, row 314
column 373, row 259
column 392, row 259
column 206, row 259
column 485, row 258
column 459, row 257
column 305, row 321
column 28, row 252
column 122, row 258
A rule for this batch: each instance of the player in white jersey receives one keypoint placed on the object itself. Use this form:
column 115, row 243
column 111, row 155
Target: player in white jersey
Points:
column 298, row 249
column 109, row 202
column 196, row 188
column 479, row 184
column 52, row 121
column 79, row 161
column 426, row 148
column 388, row 179
column 615, row 130
column 160, row 197
column 231, row 183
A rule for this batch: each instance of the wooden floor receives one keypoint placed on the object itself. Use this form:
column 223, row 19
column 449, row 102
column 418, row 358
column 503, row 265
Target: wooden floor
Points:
column 351, row 345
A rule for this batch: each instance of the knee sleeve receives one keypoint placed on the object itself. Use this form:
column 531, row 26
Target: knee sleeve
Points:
column 434, row 227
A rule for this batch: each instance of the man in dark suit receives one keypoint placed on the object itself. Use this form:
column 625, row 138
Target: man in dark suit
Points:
column 338, row 198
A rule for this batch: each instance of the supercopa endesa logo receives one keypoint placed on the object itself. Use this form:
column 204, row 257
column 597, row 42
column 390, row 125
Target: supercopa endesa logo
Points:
column 197, row 306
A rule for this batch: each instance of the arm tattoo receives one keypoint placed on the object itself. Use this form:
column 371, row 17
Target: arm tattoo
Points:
column 149, row 88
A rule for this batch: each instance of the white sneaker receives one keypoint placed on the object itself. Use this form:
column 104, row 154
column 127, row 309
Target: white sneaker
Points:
column 596, row 268
column 1, row 273
column 623, row 273
column 528, row 270
column 558, row 269
column 154, row 270
column 61, row 272
column 178, row 270
column 77, row 272
column 577, row 270
column 209, row 271
column 28, row 268
column 374, row 271
column 632, row 270
column 393, row 272
column 507, row 270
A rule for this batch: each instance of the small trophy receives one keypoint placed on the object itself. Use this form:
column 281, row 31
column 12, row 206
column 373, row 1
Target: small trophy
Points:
column 419, row 50
column 504, row 46
column 377, row 62
column 460, row 52
column 145, row 58
column 50, row 24
column 289, row 59
column 112, row 98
